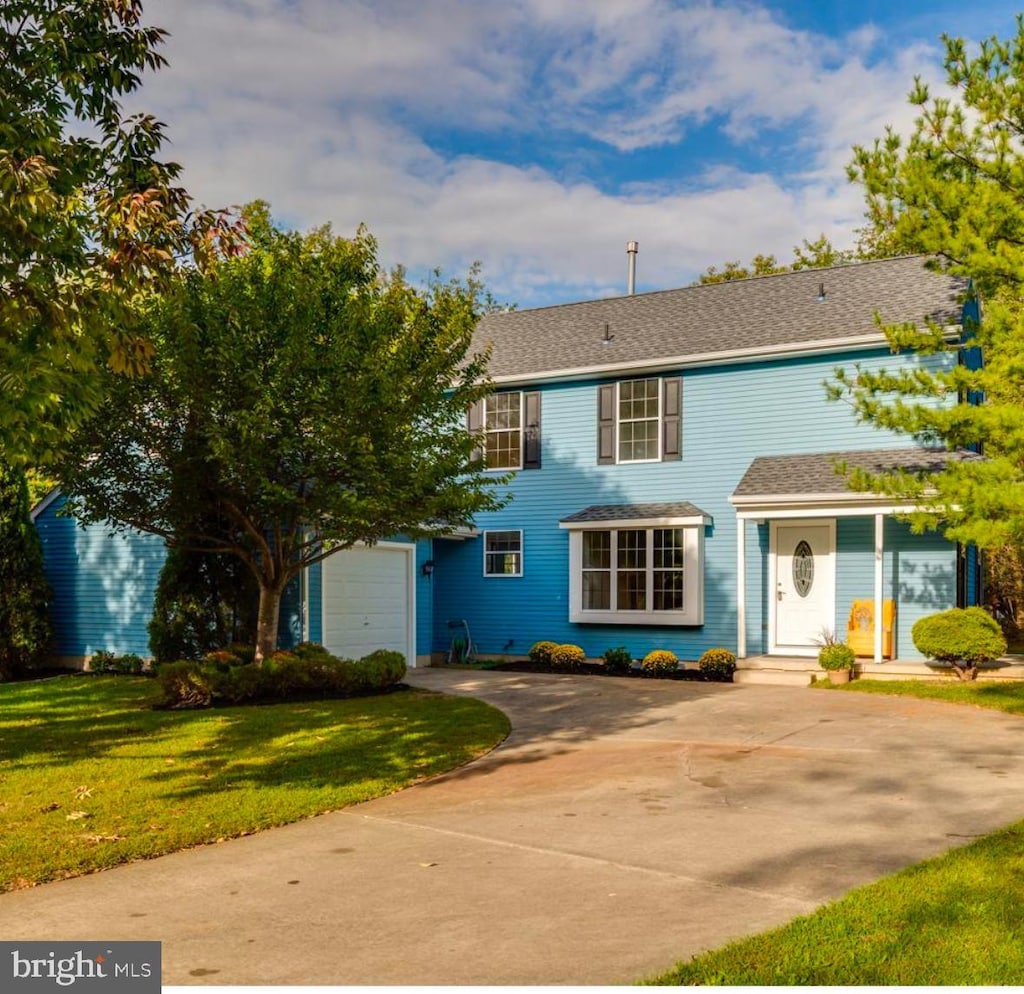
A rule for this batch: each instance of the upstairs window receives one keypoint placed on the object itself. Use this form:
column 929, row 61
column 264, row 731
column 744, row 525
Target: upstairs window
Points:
column 509, row 423
column 639, row 420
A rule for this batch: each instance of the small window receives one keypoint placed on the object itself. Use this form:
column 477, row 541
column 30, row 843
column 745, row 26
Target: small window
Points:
column 503, row 553
column 639, row 417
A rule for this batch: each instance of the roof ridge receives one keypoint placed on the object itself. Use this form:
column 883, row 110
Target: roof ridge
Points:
column 594, row 301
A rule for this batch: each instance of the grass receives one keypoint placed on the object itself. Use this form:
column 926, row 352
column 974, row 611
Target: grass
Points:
column 91, row 777
column 957, row 919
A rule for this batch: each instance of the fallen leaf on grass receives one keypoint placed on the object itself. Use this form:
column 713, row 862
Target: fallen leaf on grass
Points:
column 50, row 807
column 96, row 839
column 82, row 792
column 76, row 815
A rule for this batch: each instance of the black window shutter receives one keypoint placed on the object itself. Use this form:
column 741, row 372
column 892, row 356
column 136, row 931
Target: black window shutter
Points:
column 531, row 438
column 671, row 419
column 475, row 423
column 606, row 423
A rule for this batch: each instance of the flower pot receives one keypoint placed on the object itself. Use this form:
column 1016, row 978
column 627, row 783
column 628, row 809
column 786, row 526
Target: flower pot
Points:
column 839, row 676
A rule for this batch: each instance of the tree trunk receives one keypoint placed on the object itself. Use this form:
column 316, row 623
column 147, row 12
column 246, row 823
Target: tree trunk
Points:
column 267, row 621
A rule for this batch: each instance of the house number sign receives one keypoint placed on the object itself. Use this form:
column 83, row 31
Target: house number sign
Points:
column 803, row 569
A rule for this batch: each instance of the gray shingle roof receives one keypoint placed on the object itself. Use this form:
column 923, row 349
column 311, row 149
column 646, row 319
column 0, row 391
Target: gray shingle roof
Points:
column 815, row 473
column 637, row 512
column 755, row 316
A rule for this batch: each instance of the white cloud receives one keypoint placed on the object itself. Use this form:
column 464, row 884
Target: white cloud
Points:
column 345, row 111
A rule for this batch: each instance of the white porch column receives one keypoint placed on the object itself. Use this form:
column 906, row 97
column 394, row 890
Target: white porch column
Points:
column 741, row 587
column 879, row 618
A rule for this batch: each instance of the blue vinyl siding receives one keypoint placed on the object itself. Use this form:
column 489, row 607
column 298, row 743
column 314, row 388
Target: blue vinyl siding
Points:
column 103, row 585
column 731, row 414
column 314, row 589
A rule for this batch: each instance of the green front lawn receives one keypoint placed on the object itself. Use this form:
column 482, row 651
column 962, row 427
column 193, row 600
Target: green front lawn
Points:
column 90, row 776
column 957, row 919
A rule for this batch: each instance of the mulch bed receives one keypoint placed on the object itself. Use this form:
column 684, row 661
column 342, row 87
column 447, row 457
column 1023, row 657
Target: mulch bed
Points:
column 587, row 669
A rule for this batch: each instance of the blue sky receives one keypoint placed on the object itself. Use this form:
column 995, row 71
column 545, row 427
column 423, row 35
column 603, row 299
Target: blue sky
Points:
column 539, row 136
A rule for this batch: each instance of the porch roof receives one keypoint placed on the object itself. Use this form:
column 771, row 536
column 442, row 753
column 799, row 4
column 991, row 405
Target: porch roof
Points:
column 667, row 512
column 812, row 479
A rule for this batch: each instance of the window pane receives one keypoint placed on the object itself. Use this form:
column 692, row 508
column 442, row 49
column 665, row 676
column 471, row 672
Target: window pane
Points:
column 632, row 549
column 631, row 590
column 638, row 420
column 597, row 550
column 597, row 590
column 503, row 449
column 668, row 548
column 668, row 590
column 503, row 553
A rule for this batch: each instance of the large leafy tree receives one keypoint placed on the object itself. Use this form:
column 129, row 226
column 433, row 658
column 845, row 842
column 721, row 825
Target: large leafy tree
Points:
column 89, row 212
column 300, row 401
column 24, row 592
column 955, row 190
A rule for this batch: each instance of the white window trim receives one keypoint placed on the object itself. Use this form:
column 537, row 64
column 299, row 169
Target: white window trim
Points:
column 503, row 531
column 693, row 573
column 522, row 432
column 618, row 419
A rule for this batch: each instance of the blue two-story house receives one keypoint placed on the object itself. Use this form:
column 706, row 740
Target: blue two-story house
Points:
column 675, row 473
column 674, row 487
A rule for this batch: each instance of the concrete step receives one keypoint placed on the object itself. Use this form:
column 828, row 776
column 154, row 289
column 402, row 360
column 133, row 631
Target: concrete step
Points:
column 780, row 677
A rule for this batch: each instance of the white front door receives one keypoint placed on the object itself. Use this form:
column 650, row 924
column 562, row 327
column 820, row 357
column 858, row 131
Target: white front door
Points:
column 803, row 585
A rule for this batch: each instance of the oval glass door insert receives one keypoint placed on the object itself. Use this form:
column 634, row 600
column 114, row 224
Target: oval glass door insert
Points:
column 803, row 568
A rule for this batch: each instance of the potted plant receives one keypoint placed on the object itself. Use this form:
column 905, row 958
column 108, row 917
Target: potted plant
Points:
column 836, row 658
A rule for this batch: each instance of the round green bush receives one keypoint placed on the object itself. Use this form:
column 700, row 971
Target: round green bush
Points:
column 659, row 662
column 836, row 656
column 961, row 635
column 567, row 657
column 618, row 660
column 540, row 652
column 717, row 664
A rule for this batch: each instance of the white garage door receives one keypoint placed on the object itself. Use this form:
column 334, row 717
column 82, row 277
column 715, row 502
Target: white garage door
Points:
column 367, row 601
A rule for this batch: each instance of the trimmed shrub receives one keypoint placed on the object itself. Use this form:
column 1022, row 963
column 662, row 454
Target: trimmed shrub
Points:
column 836, row 656
column 129, row 664
column 660, row 662
column 309, row 671
column 618, row 660
column 378, row 671
column 567, row 657
column 540, row 652
column 717, row 664
column 184, row 684
column 963, row 637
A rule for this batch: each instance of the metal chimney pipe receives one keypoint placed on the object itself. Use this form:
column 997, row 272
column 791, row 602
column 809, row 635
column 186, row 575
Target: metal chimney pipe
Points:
column 631, row 250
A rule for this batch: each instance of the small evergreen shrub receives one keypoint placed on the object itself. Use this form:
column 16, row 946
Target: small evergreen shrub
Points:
column 659, row 662
column 717, row 664
column 618, row 660
column 128, row 664
column 836, row 656
column 540, row 652
column 308, row 671
column 567, row 657
column 963, row 637
column 183, row 684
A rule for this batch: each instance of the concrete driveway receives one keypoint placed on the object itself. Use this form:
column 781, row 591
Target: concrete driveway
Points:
column 624, row 824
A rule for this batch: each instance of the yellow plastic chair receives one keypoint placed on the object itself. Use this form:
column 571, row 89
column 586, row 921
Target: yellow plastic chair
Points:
column 860, row 630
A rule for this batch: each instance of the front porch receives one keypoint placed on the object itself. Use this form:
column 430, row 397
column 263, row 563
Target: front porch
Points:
column 801, row 671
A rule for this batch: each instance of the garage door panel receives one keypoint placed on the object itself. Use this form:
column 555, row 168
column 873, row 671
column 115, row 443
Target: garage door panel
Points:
column 366, row 601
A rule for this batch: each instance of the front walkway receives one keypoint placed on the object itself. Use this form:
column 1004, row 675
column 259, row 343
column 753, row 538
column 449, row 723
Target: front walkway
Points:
column 624, row 824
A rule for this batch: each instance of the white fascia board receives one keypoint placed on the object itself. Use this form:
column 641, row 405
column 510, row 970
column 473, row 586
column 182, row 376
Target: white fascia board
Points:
column 44, row 503
column 824, row 510
column 690, row 521
column 729, row 357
